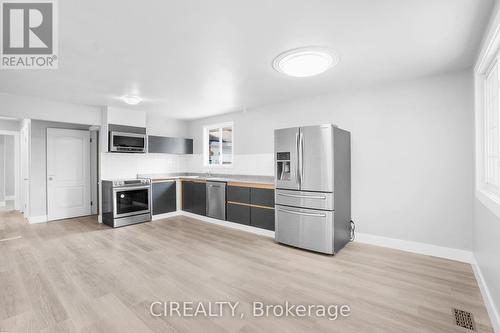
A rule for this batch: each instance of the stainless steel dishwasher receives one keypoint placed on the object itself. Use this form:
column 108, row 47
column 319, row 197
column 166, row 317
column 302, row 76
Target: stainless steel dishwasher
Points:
column 216, row 200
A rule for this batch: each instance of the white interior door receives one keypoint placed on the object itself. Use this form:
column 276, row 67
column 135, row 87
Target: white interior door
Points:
column 68, row 173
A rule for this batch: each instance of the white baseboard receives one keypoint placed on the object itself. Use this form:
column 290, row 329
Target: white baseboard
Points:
column 487, row 298
column 2, row 203
column 398, row 244
column 416, row 247
column 253, row 230
column 37, row 219
column 167, row 215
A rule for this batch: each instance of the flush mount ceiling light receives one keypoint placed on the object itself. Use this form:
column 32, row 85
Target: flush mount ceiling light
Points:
column 131, row 99
column 305, row 61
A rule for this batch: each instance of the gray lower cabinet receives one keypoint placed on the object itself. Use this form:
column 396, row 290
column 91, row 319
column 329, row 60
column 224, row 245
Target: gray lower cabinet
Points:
column 262, row 218
column 238, row 213
column 238, row 194
column 164, row 197
column 244, row 205
column 194, row 197
column 251, row 206
column 262, row 197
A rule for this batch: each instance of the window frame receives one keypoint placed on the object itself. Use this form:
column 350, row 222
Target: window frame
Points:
column 206, row 131
column 491, row 122
column 488, row 55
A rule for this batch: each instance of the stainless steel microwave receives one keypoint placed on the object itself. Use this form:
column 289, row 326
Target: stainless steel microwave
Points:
column 127, row 142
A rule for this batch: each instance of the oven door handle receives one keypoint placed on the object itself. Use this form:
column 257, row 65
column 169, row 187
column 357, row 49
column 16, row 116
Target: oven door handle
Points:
column 129, row 188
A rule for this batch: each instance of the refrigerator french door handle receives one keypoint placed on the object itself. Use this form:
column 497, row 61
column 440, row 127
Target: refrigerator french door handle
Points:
column 297, row 148
column 301, row 213
column 301, row 161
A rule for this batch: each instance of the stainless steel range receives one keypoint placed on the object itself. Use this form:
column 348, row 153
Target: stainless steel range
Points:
column 313, row 187
column 126, row 202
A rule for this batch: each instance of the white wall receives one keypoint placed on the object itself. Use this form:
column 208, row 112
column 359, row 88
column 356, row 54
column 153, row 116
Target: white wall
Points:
column 127, row 117
column 412, row 153
column 9, row 125
column 10, row 181
column 42, row 109
column 164, row 126
column 487, row 250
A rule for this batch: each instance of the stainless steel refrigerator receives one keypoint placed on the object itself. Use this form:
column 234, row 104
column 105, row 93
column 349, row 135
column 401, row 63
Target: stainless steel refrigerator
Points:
column 313, row 187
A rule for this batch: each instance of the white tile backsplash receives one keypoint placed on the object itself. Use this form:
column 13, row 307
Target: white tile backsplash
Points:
column 244, row 164
column 117, row 166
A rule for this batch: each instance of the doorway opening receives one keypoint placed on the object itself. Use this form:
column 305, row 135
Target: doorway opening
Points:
column 72, row 172
column 9, row 164
column 63, row 170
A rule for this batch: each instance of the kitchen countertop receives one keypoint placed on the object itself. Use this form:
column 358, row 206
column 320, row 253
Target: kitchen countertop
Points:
column 265, row 180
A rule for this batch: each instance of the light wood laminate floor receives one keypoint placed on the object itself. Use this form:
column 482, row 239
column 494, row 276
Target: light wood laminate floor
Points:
column 80, row 276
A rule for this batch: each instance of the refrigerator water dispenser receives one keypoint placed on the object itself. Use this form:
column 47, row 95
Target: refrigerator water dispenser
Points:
column 283, row 166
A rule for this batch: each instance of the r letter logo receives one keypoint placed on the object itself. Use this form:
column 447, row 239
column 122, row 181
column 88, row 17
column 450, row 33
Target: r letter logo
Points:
column 29, row 35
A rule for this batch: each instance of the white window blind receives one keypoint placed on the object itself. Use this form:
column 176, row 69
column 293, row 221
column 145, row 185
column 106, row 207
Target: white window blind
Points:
column 492, row 134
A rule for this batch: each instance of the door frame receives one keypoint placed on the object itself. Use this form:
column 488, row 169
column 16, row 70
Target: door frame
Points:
column 88, row 161
column 25, row 165
column 17, row 165
column 94, row 169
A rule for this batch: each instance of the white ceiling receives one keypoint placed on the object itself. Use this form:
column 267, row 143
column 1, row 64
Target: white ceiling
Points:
column 195, row 58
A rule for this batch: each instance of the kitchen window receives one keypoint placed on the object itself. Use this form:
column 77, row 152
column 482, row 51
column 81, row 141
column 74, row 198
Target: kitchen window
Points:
column 218, row 145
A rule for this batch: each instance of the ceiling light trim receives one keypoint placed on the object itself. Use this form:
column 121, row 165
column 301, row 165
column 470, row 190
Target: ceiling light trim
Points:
column 132, row 99
column 328, row 57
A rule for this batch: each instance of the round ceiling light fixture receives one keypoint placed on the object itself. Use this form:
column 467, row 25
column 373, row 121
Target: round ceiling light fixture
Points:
column 305, row 61
column 131, row 99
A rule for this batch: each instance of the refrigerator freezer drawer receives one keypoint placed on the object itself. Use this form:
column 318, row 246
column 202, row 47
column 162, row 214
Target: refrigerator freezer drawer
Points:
column 313, row 200
column 305, row 228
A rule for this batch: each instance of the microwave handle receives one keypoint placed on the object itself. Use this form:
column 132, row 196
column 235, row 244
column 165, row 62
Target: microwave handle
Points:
column 135, row 135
